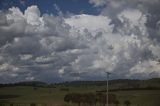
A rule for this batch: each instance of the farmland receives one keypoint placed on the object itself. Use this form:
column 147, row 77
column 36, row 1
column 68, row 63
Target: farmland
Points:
column 54, row 94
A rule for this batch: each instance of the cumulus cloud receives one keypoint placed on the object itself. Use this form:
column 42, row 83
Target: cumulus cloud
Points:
column 32, row 15
column 113, row 8
column 147, row 69
column 27, row 41
column 90, row 23
column 117, row 52
column 35, row 46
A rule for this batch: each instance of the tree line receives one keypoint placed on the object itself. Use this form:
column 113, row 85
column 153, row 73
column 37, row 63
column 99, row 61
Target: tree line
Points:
column 25, row 83
column 92, row 99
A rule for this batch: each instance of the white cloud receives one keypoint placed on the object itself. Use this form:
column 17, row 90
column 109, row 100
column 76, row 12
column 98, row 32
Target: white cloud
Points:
column 145, row 69
column 61, row 71
column 26, row 57
column 30, row 78
column 43, row 59
column 117, row 52
column 34, row 46
column 134, row 16
column 15, row 14
column 4, row 66
column 105, row 2
column 32, row 15
column 155, row 50
column 92, row 23
column 8, row 67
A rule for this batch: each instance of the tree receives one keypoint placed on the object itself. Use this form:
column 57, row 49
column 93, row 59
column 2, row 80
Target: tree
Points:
column 67, row 98
column 111, row 98
column 76, row 98
column 32, row 104
column 116, row 102
column 101, row 98
column 127, row 102
column 90, row 98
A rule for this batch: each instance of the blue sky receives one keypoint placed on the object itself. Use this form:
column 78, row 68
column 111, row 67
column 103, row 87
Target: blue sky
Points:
column 48, row 6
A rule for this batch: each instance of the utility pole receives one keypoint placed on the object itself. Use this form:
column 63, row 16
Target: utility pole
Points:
column 108, row 73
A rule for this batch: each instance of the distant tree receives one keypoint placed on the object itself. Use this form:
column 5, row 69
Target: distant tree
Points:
column 90, row 98
column 64, row 89
column 127, row 102
column 32, row 104
column 67, row 98
column 11, row 104
column 111, row 98
column 76, row 98
column 1, row 104
column 101, row 98
column 35, row 88
column 116, row 102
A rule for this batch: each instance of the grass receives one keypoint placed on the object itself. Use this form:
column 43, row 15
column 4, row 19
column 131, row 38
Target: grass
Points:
column 27, row 94
column 140, row 98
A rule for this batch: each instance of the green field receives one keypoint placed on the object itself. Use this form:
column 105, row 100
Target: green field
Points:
column 55, row 95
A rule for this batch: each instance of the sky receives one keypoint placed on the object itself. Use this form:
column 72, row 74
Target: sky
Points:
column 67, row 40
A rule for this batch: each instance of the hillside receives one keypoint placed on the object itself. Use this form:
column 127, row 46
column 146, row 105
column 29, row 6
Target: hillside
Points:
column 117, row 84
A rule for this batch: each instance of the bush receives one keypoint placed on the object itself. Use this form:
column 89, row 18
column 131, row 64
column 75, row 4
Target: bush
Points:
column 89, row 98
